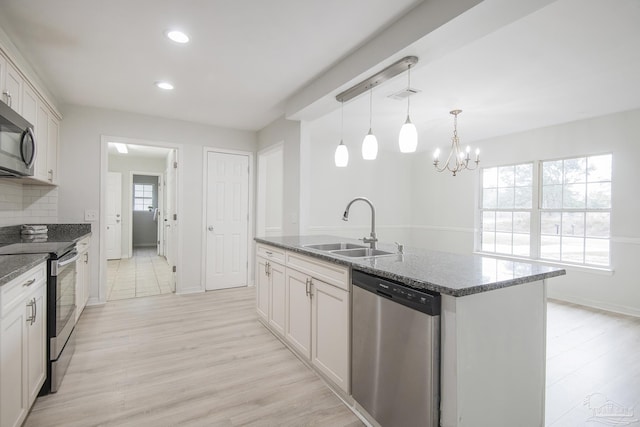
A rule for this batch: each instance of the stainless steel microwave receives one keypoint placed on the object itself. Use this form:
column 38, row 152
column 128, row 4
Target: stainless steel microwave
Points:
column 17, row 144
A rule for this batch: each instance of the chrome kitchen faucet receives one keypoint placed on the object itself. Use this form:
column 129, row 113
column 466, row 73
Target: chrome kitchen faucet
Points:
column 372, row 239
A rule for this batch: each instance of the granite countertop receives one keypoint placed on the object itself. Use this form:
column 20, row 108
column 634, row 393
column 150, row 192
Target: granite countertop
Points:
column 11, row 266
column 446, row 273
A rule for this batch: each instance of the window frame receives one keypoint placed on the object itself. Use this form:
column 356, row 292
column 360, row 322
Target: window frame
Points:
column 142, row 198
column 536, row 214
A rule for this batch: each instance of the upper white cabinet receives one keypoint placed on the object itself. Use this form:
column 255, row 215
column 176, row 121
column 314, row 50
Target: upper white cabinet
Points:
column 24, row 97
column 11, row 84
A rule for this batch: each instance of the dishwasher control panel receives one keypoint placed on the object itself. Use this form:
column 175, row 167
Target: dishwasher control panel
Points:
column 424, row 301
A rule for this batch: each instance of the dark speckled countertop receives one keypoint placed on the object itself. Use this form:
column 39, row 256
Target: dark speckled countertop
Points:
column 446, row 273
column 12, row 266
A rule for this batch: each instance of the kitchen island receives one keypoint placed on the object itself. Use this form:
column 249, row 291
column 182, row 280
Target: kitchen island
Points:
column 492, row 325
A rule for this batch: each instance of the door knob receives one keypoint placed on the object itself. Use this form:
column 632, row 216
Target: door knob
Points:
column 210, row 228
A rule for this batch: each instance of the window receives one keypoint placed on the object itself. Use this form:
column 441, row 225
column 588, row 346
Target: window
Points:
column 571, row 223
column 576, row 210
column 142, row 196
column 506, row 209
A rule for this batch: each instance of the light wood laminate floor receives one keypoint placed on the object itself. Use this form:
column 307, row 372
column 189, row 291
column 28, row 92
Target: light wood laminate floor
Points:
column 186, row 360
column 205, row 360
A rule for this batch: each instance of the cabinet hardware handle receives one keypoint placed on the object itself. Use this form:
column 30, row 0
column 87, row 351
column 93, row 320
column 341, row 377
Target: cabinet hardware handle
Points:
column 9, row 98
column 32, row 317
column 35, row 311
column 50, row 172
column 269, row 269
column 307, row 286
column 269, row 253
column 86, row 258
column 29, row 282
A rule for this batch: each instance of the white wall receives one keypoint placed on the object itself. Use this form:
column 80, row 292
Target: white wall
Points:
column 287, row 132
column 386, row 181
column 125, row 164
column 444, row 215
column 432, row 210
column 80, row 164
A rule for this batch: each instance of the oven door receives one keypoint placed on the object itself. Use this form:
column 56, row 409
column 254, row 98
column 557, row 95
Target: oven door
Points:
column 65, row 300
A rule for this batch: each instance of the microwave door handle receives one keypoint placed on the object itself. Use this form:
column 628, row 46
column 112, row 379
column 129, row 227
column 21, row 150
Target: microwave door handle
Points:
column 32, row 139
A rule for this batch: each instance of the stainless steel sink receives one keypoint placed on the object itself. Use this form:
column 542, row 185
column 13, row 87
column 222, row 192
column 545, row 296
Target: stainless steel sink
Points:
column 361, row 252
column 335, row 246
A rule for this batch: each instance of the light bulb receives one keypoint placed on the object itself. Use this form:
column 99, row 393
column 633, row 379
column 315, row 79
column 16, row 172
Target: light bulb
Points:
column 341, row 157
column 436, row 154
column 370, row 147
column 178, row 36
column 164, row 85
column 408, row 137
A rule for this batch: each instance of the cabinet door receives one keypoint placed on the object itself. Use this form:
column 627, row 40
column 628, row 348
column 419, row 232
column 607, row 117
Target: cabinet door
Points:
column 29, row 105
column 52, row 150
column 12, row 91
column 298, row 312
column 262, row 288
column 278, row 298
column 42, row 141
column 13, row 391
column 331, row 329
column 79, row 286
column 36, row 345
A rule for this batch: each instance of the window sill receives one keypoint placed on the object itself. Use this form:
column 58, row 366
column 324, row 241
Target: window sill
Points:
column 604, row 271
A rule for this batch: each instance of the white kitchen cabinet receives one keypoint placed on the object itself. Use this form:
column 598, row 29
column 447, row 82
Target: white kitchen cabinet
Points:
column 22, row 344
column 262, row 288
column 42, row 141
column 11, row 86
column 83, row 269
column 330, row 331
column 277, row 296
column 270, row 287
column 52, row 149
column 298, row 312
column 29, row 105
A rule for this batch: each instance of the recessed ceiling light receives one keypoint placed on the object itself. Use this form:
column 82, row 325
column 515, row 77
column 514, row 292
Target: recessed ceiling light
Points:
column 122, row 148
column 164, row 85
column 178, row 36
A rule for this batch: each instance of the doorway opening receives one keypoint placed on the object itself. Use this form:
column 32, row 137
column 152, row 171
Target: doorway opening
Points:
column 141, row 220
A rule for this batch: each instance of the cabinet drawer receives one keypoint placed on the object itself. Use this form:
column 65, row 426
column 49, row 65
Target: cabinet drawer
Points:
column 336, row 275
column 271, row 253
column 16, row 291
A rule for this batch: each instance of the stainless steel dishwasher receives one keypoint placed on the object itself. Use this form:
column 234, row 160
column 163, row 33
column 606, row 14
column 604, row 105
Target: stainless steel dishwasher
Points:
column 396, row 352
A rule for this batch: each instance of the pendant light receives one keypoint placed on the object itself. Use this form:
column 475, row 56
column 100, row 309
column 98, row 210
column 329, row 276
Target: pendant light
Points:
column 341, row 156
column 408, row 137
column 370, row 143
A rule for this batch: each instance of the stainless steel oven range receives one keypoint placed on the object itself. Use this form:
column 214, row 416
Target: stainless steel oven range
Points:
column 61, row 304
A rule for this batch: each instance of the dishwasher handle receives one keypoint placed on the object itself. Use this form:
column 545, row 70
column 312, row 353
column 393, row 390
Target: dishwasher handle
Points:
column 421, row 300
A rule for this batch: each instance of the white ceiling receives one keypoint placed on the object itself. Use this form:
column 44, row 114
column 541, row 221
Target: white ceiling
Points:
column 570, row 60
column 245, row 59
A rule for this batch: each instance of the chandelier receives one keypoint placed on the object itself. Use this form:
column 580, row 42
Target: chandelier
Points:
column 457, row 160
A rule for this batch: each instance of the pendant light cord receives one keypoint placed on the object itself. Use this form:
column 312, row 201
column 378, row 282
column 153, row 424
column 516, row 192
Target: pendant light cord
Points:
column 409, row 90
column 341, row 121
column 370, row 106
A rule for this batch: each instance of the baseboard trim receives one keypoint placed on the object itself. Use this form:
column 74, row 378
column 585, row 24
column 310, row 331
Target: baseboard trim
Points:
column 599, row 305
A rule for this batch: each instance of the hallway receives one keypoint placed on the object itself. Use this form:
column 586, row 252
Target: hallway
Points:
column 142, row 275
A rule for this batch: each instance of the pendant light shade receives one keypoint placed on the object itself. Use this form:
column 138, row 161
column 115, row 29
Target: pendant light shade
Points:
column 408, row 138
column 370, row 142
column 342, row 155
column 370, row 147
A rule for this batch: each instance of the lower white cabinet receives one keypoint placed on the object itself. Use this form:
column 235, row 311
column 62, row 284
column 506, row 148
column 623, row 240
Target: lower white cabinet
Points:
column 318, row 325
column 270, row 293
column 23, row 345
column 83, row 270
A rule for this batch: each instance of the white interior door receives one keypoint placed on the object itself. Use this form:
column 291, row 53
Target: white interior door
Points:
column 114, row 215
column 227, row 220
column 171, row 208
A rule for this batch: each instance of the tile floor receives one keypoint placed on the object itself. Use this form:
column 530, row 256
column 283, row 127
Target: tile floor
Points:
column 142, row 275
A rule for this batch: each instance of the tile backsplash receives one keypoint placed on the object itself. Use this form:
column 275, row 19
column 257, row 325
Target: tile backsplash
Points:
column 27, row 204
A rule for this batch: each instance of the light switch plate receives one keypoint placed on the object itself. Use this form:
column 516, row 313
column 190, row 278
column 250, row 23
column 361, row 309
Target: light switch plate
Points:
column 90, row 215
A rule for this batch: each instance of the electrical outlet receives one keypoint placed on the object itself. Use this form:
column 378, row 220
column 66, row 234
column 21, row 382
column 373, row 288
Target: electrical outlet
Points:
column 90, row 215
